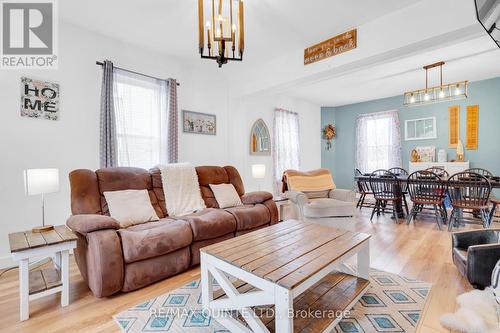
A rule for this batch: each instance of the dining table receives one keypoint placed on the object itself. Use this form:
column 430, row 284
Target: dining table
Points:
column 403, row 180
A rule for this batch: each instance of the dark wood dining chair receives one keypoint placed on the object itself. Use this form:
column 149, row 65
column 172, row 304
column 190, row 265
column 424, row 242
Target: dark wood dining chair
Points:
column 364, row 190
column 427, row 189
column 487, row 174
column 400, row 172
column 469, row 191
column 481, row 171
column 440, row 171
column 386, row 188
column 493, row 211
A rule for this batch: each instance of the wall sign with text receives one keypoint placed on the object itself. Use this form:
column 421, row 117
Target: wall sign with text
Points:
column 331, row 47
column 39, row 99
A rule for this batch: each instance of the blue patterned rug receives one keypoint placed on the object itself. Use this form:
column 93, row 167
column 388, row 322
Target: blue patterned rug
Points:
column 392, row 304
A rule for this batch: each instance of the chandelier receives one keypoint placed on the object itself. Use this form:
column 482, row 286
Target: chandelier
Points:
column 436, row 94
column 223, row 28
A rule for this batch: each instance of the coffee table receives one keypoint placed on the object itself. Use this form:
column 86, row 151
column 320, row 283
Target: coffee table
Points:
column 290, row 267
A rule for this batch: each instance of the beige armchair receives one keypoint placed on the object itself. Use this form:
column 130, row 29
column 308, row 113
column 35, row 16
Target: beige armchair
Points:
column 315, row 198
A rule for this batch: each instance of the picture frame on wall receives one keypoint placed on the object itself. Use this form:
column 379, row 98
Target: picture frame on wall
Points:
column 199, row 123
column 420, row 129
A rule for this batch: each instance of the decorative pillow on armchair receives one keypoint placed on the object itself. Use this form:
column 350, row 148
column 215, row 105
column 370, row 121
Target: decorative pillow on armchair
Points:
column 130, row 207
column 226, row 195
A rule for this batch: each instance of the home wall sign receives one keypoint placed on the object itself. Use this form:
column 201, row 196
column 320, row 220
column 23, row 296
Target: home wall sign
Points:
column 331, row 47
column 39, row 99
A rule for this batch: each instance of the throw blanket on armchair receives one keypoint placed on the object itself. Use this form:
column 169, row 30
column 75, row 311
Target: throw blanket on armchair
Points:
column 311, row 181
column 181, row 188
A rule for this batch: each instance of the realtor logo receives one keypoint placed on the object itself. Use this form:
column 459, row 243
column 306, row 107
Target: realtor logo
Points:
column 28, row 37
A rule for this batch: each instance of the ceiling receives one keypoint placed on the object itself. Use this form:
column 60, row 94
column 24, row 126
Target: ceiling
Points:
column 272, row 27
column 472, row 60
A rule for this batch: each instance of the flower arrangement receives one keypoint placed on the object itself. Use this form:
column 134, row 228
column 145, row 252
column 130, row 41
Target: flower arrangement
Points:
column 329, row 133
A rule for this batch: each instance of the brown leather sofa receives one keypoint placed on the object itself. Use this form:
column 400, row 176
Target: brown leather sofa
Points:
column 112, row 259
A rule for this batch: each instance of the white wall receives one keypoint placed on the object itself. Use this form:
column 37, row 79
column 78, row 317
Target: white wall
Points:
column 73, row 141
column 245, row 111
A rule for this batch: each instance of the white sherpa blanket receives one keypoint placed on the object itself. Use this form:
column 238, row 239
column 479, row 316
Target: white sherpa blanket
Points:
column 181, row 188
column 477, row 313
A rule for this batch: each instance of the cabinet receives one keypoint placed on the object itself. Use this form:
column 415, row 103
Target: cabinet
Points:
column 450, row 167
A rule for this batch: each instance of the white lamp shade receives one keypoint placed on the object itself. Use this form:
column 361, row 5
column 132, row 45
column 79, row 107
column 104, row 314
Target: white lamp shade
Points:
column 259, row 171
column 41, row 181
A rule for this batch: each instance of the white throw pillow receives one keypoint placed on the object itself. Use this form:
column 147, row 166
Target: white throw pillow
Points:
column 226, row 195
column 130, row 207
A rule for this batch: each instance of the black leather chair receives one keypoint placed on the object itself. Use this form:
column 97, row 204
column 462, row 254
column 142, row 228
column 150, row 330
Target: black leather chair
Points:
column 475, row 254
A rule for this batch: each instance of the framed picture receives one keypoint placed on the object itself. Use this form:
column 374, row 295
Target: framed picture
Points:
column 420, row 129
column 199, row 123
column 39, row 99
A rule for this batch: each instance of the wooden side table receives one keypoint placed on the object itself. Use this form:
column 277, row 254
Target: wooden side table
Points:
column 39, row 283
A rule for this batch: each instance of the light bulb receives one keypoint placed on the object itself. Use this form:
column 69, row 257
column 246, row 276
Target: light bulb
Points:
column 220, row 18
column 427, row 97
column 234, row 27
column 457, row 91
column 441, row 94
column 412, row 99
column 208, row 25
column 219, row 33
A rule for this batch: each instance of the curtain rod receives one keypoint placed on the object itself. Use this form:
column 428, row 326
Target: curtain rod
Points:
column 127, row 70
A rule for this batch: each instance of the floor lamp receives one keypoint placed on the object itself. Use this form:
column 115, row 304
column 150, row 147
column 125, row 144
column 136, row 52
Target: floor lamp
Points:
column 259, row 172
column 41, row 181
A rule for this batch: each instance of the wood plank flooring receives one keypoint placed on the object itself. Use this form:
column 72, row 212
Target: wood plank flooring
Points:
column 418, row 251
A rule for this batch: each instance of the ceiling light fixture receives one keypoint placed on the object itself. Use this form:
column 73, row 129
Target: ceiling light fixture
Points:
column 223, row 34
column 441, row 93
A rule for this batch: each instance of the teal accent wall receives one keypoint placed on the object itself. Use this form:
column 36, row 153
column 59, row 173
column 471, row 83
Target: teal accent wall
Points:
column 341, row 158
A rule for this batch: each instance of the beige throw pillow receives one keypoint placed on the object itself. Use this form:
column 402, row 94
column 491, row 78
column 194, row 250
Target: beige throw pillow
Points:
column 226, row 195
column 130, row 207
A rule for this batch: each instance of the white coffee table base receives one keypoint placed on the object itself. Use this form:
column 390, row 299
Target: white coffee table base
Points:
column 270, row 293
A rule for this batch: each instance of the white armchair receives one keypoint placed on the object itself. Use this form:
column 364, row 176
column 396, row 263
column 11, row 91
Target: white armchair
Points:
column 334, row 207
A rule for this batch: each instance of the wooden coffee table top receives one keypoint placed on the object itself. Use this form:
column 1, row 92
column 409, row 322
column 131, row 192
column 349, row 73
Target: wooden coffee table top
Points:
column 287, row 253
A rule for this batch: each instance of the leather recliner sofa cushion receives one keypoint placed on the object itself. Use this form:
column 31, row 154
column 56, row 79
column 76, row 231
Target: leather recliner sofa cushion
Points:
column 210, row 223
column 154, row 239
column 250, row 216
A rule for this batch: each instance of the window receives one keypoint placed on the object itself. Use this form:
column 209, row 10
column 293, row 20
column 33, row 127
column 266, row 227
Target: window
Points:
column 378, row 141
column 286, row 144
column 141, row 119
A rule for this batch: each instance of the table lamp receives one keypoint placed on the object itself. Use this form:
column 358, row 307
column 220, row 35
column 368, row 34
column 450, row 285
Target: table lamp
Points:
column 41, row 181
column 259, row 172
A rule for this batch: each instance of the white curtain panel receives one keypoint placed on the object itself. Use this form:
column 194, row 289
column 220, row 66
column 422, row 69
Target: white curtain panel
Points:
column 378, row 141
column 141, row 109
column 286, row 149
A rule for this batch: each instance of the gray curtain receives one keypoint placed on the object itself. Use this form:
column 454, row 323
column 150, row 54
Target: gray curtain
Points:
column 173, row 129
column 107, row 151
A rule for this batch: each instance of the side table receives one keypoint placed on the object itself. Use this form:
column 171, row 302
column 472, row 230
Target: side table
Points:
column 281, row 202
column 42, row 282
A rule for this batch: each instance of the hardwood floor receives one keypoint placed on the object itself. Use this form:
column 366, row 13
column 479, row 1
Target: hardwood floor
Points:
column 418, row 251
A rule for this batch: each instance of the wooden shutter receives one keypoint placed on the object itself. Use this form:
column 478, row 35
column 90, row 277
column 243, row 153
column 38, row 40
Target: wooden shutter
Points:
column 453, row 126
column 471, row 138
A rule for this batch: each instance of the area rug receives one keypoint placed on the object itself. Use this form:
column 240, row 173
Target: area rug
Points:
column 392, row 304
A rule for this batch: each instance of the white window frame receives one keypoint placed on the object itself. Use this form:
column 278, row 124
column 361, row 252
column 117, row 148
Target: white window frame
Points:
column 413, row 122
